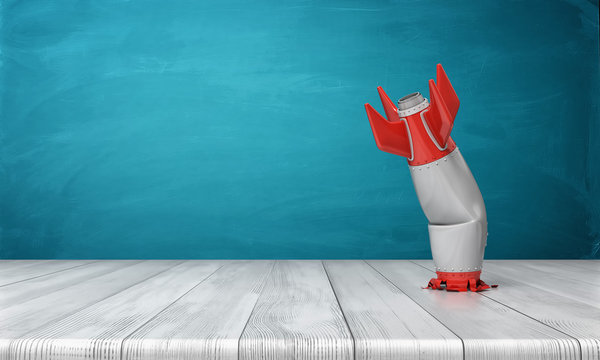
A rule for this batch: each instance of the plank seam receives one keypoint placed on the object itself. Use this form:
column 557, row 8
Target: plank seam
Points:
column 99, row 300
column 422, row 266
column 165, row 308
column 14, row 342
column 341, row 310
column 416, row 302
column 560, row 331
column 50, row 273
column 66, row 286
column 546, row 289
column 574, row 265
column 522, row 313
column 529, row 267
column 265, row 279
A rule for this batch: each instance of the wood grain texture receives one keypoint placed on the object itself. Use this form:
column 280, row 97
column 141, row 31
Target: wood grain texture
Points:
column 42, row 285
column 385, row 323
column 489, row 330
column 22, row 318
column 28, row 270
column 553, row 280
column 576, row 275
column 589, row 265
column 207, row 322
column 574, row 318
column 571, row 317
column 16, row 264
column 98, row 330
column 291, row 310
column 297, row 316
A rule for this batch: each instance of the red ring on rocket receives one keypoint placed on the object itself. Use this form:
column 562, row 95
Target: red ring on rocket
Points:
column 447, row 191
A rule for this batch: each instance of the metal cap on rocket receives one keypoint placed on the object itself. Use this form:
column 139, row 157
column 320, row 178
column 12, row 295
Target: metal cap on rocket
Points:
column 410, row 101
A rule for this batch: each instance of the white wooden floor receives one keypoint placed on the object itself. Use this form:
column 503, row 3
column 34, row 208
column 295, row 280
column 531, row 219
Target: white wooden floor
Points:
column 294, row 310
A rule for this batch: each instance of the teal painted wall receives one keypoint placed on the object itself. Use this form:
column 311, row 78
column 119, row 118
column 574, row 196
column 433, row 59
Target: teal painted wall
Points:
column 196, row 129
column 593, row 175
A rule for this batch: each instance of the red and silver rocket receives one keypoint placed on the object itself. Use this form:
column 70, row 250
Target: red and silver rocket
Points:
column 449, row 196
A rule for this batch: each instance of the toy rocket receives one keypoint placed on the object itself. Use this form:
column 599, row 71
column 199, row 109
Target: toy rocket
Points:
column 448, row 194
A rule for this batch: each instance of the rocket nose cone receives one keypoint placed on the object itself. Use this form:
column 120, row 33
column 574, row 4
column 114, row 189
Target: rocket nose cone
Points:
column 410, row 101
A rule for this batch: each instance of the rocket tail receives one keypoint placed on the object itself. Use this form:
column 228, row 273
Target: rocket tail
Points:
column 443, row 108
column 391, row 134
column 458, row 282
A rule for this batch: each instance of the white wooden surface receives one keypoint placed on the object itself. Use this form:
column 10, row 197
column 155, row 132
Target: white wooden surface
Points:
column 100, row 329
column 31, row 270
column 385, row 323
column 572, row 317
column 207, row 322
column 23, row 317
column 297, row 316
column 488, row 329
column 294, row 310
column 554, row 280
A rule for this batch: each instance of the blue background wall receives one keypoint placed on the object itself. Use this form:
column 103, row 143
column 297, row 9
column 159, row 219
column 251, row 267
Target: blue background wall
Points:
column 197, row 129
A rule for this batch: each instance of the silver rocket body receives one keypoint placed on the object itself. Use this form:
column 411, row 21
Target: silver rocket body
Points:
column 453, row 205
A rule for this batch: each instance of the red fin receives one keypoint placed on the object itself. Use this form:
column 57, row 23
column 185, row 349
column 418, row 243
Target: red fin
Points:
column 447, row 91
column 438, row 117
column 390, row 137
column 388, row 106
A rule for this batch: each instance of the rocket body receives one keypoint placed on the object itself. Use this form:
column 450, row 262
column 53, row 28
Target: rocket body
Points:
column 453, row 205
column 446, row 189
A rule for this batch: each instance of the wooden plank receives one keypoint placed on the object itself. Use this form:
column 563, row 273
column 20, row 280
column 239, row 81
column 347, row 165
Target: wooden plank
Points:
column 385, row 323
column 14, row 267
column 574, row 318
column 489, row 330
column 207, row 322
column 589, row 265
column 542, row 267
column 21, row 318
column 592, row 265
column 297, row 317
column 15, row 264
column 98, row 330
column 14, row 274
column 571, row 317
column 553, row 282
column 39, row 286
column 428, row 263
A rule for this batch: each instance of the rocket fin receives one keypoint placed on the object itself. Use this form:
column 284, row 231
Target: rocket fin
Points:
column 391, row 112
column 389, row 136
column 447, row 91
column 439, row 119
